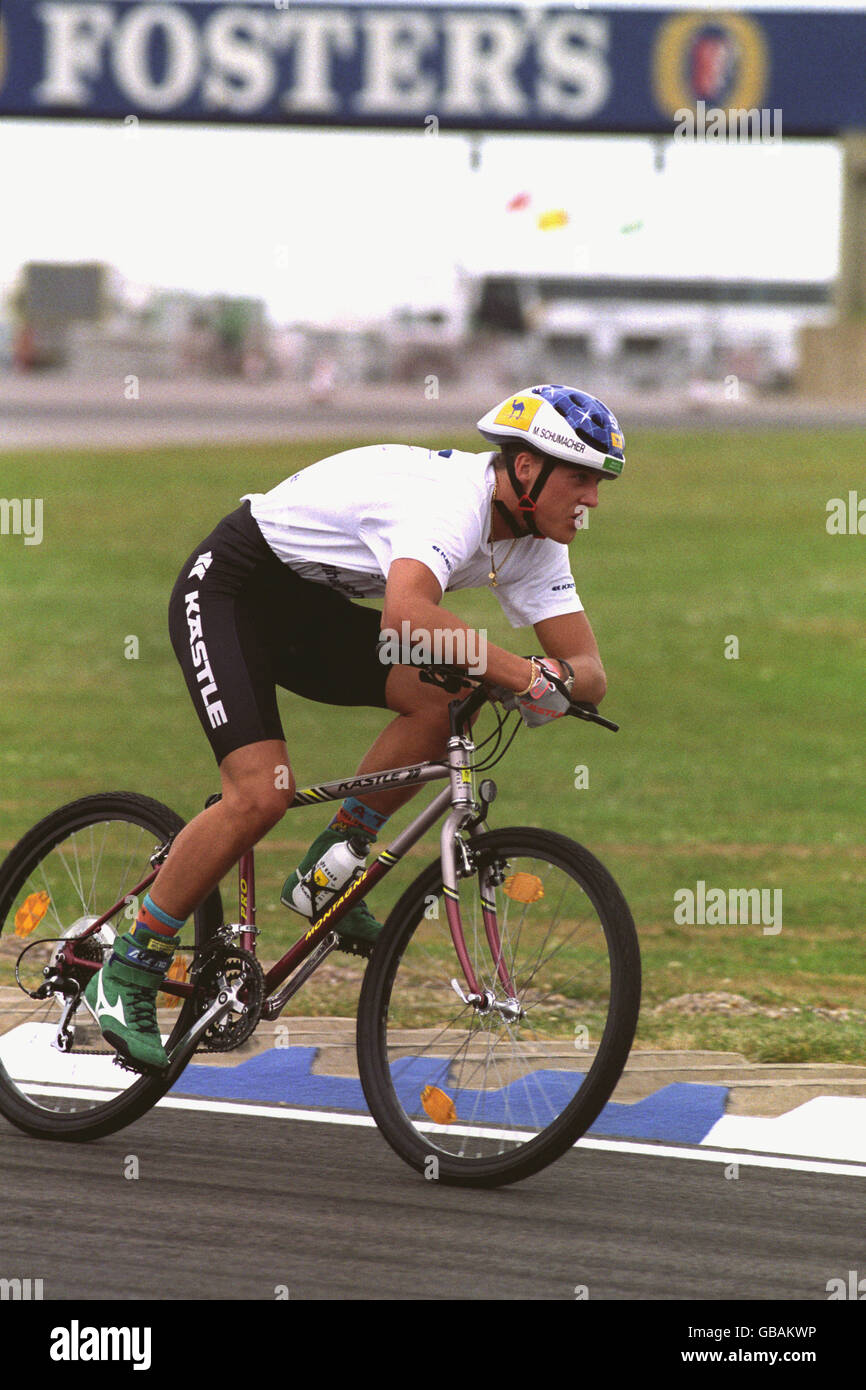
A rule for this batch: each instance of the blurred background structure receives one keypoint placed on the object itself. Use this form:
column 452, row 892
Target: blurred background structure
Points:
column 641, row 332
column 544, row 198
column 77, row 318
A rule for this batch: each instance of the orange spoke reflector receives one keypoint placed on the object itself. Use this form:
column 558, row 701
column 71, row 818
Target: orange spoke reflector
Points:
column 31, row 912
column 523, row 888
column 438, row 1105
column 178, row 970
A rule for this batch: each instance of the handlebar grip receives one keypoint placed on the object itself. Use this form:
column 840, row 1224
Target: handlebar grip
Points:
column 582, row 709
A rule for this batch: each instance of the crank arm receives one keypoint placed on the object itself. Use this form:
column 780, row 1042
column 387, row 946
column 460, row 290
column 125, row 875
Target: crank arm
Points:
column 274, row 1006
column 228, row 1000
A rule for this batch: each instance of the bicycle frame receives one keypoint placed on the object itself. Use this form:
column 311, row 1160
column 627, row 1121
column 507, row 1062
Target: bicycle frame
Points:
column 460, row 795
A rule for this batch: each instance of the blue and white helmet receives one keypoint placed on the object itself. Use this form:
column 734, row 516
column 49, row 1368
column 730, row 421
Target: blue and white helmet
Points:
column 560, row 423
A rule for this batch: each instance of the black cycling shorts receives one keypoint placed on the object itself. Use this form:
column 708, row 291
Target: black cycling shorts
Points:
column 242, row 623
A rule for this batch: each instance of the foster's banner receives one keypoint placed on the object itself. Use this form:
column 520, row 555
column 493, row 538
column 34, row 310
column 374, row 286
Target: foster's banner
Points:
column 471, row 67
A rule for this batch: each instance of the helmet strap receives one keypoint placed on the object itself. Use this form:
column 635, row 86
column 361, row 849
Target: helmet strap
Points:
column 526, row 501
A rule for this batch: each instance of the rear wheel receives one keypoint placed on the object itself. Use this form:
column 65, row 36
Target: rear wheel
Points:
column 488, row 1092
column 61, row 1082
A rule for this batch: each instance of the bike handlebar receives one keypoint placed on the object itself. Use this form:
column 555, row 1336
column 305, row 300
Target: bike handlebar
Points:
column 455, row 678
column 582, row 709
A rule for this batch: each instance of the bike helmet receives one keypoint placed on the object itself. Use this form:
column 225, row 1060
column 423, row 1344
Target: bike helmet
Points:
column 562, row 425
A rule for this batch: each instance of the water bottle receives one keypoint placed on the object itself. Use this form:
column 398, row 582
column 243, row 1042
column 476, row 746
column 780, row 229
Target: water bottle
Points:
column 329, row 876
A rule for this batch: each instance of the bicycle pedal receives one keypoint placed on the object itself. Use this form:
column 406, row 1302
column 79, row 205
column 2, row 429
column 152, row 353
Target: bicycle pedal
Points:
column 355, row 948
column 136, row 1068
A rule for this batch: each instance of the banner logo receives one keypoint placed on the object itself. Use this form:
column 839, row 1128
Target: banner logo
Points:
column 720, row 60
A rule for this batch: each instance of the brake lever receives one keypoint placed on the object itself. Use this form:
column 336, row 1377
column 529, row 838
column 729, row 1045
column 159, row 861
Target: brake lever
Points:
column 582, row 709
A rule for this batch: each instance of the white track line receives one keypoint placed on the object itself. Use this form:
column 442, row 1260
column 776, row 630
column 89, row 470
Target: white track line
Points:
column 724, row 1156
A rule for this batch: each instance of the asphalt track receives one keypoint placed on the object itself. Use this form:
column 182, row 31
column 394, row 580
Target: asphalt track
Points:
column 230, row 1207
column 58, row 411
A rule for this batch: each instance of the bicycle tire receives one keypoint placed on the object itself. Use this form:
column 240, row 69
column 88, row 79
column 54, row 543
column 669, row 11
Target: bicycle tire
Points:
column 157, row 823
column 409, row 1134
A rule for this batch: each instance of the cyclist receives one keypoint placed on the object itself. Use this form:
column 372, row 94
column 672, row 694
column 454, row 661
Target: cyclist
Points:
column 266, row 601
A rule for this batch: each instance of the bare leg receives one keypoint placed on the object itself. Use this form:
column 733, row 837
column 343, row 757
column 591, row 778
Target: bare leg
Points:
column 420, row 731
column 208, row 847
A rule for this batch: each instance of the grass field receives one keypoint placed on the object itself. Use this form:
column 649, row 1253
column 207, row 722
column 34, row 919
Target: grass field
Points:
column 741, row 773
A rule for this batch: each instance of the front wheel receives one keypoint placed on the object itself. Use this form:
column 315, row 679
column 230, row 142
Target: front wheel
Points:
column 58, row 1079
column 488, row 1092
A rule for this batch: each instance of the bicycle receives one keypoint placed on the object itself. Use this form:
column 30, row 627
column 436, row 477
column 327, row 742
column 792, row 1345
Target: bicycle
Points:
column 496, row 1012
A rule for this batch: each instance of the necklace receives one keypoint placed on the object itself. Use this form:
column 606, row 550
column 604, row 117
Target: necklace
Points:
column 492, row 575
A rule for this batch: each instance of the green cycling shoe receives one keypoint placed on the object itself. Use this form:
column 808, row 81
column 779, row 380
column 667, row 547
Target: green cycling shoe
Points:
column 333, row 856
column 123, row 1000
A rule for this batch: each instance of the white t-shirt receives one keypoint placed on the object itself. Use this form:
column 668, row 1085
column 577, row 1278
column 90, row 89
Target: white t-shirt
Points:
column 344, row 520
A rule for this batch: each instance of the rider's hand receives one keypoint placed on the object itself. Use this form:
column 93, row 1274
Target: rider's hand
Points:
column 549, row 696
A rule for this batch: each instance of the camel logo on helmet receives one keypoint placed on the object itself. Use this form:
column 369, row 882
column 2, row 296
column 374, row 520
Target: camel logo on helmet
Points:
column 517, row 412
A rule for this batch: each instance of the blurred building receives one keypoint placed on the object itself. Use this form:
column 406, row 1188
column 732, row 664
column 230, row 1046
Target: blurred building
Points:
column 643, row 334
column 176, row 333
column 648, row 333
column 49, row 301
column 81, row 317
column 7, row 344
column 407, row 345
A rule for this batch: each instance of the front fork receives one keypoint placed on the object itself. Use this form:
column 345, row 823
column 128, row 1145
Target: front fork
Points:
column 465, row 814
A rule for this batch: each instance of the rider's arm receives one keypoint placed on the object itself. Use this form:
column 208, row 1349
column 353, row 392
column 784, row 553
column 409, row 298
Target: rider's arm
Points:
column 412, row 594
column 570, row 638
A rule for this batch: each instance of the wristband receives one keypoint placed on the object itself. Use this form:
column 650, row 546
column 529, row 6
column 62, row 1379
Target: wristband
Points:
column 533, row 677
column 542, row 683
column 543, row 674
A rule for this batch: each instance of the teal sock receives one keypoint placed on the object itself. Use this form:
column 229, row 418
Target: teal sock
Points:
column 149, row 943
column 354, row 815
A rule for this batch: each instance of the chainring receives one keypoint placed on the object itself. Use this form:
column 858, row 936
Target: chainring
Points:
column 220, row 966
